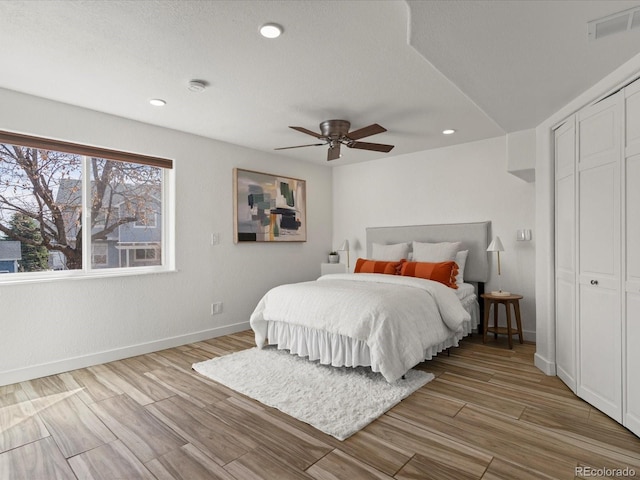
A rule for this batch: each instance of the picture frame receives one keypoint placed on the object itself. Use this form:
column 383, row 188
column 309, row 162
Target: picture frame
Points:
column 268, row 208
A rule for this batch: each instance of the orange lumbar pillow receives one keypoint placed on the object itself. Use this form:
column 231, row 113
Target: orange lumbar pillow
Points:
column 377, row 266
column 443, row 272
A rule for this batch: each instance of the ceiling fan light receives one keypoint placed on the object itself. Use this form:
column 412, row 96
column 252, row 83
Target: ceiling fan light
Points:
column 271, row 30
column 336, row 133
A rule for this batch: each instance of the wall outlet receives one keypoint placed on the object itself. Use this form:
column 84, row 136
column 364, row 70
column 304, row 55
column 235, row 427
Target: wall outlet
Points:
column 215, row 238
column 216, row 308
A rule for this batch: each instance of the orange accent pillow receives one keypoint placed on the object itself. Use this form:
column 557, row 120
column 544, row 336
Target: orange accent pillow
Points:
column 443, row 272
column 377, row 266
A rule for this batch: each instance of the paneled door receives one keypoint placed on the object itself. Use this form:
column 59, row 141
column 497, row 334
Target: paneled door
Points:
column 632, row 255
column 565, row 155
column 599, row 259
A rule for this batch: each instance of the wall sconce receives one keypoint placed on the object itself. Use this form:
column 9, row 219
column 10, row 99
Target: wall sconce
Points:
column 523, row 235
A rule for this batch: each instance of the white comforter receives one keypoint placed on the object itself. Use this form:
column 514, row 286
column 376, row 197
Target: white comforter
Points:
column 397, row 317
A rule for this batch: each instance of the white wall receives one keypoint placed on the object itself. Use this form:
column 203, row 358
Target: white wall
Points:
column 463, row 183
column 49, row 327
column 521, row 154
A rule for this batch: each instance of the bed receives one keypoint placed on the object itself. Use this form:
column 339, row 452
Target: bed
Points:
column 387, row 322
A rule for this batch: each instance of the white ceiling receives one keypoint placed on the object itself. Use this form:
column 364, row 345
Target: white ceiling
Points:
column 481, row 67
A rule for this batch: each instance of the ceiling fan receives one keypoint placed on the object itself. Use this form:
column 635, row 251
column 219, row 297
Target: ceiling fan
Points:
column 336, row 132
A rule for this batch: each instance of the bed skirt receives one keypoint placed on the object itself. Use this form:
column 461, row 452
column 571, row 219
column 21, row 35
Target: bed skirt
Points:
column 340, row 351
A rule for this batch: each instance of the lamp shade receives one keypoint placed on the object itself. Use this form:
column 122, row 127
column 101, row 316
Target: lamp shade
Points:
column 496, row 245
column 345, row 246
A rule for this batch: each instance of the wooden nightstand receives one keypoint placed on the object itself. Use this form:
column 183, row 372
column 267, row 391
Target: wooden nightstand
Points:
column 505, row 300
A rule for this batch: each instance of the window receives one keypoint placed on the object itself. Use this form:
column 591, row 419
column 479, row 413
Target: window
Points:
column 143, row 254
column 99, row 255
column 68, row 207
column 146, row 221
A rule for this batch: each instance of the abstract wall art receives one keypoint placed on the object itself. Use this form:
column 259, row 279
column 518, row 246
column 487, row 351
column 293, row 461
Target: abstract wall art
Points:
column 268, row 208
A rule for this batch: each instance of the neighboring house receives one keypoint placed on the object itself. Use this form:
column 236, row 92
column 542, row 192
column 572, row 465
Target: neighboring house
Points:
column 57, row 261
column 132, row 244
column 10, row 254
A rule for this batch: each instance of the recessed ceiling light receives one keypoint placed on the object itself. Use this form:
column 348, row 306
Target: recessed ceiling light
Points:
column 157, row 102
column 271, row 30
column 448, row 131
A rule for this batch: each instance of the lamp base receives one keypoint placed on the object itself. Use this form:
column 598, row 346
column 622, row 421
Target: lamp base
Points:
column 500, row 293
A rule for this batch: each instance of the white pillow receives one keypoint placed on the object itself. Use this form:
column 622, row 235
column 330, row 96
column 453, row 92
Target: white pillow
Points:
column 389, row 253
column 461, row 259
column 435, row 252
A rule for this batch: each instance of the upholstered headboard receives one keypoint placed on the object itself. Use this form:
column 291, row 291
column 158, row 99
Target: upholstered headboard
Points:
column 474, row 236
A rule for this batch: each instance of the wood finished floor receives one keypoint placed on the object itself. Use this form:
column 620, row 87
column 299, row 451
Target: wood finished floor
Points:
column 489, row 414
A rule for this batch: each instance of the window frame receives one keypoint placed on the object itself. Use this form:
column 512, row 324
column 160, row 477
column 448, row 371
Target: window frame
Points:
column 166, row 223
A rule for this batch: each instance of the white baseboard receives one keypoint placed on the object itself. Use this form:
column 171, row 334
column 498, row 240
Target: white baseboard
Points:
column 547, row 367
column 53, row 368
column 632, row 422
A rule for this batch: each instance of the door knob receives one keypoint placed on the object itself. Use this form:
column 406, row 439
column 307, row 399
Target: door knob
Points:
column 594, row 282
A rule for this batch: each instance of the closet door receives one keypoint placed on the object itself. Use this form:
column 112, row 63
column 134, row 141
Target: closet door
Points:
column 599, row 327
column 632, row 259
column 565, row 149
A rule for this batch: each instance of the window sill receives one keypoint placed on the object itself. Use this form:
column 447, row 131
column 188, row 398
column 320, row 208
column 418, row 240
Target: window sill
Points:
column 57, row 276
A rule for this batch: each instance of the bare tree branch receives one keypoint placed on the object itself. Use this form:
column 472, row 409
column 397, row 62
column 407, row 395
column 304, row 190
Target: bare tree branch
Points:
column 46, row 187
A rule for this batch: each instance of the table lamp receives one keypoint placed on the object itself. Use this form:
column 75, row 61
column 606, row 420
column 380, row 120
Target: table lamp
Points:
column 345, row 248
column 496, row 246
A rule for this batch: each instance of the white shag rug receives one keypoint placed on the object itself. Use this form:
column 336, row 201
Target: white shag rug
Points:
column 336, row 401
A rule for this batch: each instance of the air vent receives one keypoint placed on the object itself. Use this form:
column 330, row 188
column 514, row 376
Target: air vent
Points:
column 616, row 23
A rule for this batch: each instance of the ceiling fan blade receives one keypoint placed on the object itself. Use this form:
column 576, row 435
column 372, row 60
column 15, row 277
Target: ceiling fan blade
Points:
column 308, row 132
column 378, row 147
column 366, row 131
column 300, row 146
column 334, row 152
